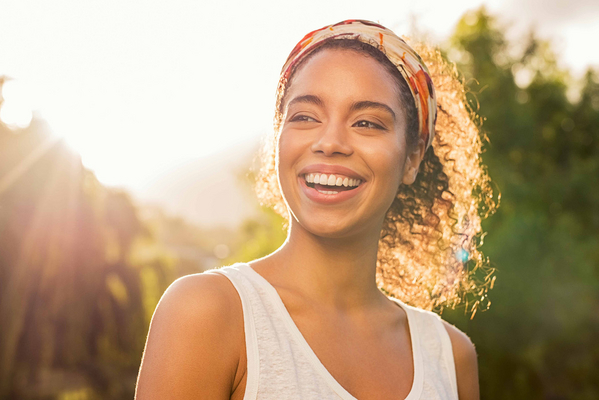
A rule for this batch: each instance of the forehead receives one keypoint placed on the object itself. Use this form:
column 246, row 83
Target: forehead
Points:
column 343, row 73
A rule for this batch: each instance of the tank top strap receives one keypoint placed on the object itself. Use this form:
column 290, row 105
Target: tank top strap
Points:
column 447, row 350
column 437, row 354
column 248, row 304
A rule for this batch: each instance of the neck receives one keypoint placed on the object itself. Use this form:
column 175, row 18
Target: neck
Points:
column 339, row 272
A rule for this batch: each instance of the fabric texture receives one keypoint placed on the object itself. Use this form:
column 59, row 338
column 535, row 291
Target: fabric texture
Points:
column 407, row 61
column 282, row 366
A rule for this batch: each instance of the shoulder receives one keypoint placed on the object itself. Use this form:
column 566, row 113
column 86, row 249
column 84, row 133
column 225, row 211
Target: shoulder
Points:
column 199, row 302
column 466, row 363
column 199, row 294
column 194, row 341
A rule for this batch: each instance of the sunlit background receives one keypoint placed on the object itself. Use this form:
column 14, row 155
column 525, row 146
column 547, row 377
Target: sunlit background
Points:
column 165, row 104
column 140, row 88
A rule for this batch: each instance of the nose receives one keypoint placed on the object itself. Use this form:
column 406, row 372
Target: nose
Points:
column 332, row 139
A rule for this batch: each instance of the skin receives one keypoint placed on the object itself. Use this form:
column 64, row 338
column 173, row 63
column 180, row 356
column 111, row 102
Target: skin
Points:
column 325, row 271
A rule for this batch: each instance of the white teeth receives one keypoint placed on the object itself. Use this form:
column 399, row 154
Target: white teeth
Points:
column 328, row 191
column 331, row 180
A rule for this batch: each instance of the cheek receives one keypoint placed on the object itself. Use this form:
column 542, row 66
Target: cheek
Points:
column 288, row 151
column 292, row 145
column 387, row 162
column 387, row 167
column 285, row 152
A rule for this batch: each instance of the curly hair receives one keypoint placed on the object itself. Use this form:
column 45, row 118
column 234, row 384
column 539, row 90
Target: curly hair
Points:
column 428, row 252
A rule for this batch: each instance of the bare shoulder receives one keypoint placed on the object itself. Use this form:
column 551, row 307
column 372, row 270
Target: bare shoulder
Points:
column 194, row 342
column 466, row 363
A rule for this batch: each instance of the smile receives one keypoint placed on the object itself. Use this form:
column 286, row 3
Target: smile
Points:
column 323, row 183
column 329, row 194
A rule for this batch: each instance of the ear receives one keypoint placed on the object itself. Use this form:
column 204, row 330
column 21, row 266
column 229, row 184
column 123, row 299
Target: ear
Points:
column 412, row 163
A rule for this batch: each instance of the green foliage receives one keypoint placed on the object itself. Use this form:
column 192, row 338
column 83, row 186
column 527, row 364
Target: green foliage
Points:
column 74, row 302
column 538, row 340
column 259, row 237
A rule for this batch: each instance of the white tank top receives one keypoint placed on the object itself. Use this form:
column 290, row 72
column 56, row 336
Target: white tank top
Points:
column 282, row 366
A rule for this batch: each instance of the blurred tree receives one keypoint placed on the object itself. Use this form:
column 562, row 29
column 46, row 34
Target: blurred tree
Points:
column 538, row 340
column 258, row 237
column 73, row 306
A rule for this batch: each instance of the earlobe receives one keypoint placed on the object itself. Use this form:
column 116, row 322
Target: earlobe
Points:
column 411, row 169
column 413, row 163
column 409, row 175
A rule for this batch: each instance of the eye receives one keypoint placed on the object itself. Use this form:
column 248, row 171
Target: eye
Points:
column 368, row 125
column 302, row 118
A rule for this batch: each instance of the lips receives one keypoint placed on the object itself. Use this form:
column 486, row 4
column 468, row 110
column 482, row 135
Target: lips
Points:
column 327, row 195
column 329, row 169
column 326, row 191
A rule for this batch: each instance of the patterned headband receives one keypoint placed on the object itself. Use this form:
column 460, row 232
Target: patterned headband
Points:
column 407, row 61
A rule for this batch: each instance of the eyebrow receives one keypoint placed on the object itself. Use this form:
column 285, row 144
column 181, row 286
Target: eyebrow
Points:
column 362, row 105
column 308, row 98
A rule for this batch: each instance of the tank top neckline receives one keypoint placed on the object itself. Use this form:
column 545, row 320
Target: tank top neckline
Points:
column 273, row 295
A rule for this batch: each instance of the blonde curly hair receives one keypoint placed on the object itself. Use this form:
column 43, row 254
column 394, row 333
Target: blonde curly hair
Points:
column 428, row 253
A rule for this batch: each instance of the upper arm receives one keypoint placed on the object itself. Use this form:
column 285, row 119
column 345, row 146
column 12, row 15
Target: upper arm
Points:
column 464, row 355
column 193, row 345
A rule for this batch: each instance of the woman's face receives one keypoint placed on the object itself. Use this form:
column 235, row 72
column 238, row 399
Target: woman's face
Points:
column 342, row 149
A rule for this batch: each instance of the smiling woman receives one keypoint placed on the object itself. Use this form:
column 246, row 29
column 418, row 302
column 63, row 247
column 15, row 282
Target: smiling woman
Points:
column 381, row 205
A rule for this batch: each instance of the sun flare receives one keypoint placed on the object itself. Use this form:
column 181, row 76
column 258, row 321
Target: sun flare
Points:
column 16, row 109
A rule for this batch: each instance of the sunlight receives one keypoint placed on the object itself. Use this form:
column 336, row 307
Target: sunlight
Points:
column 16, row 109
column 16, row 172
column 96, row 142
column 135, row 101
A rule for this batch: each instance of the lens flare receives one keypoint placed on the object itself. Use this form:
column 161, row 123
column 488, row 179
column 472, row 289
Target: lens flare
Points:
column 462, row 255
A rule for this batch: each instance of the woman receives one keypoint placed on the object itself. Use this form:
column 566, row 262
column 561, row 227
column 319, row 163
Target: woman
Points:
column 377, row 201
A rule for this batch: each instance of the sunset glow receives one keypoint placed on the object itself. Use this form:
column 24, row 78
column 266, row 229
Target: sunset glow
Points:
column 137, row 88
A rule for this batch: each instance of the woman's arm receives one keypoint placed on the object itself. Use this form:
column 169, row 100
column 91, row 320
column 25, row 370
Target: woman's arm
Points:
column 194, row 342
column 466, row 363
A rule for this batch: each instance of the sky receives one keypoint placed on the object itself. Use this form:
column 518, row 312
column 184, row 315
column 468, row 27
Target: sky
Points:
column 141, row 87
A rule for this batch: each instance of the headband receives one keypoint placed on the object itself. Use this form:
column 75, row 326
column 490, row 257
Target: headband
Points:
column 407, row 61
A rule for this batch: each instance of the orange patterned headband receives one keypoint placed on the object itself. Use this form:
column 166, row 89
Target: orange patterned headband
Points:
column 407, row 61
